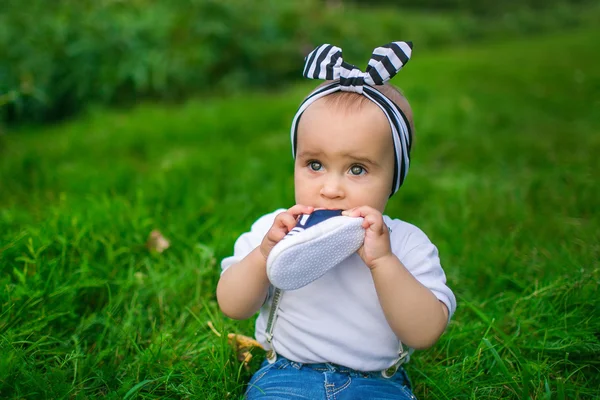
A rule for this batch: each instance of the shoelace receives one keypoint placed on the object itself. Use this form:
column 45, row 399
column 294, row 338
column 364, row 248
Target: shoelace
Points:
column 294, row 231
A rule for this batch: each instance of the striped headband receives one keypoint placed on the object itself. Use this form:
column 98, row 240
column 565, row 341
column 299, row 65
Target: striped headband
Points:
column 325, row 62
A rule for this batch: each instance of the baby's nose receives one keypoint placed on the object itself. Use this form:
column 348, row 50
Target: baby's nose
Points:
column 332, row 188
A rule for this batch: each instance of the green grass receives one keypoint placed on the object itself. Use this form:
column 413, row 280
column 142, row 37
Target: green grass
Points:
column 504, row 181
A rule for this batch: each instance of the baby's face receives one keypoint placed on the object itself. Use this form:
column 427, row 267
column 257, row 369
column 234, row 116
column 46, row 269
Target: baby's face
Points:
column 345, row 158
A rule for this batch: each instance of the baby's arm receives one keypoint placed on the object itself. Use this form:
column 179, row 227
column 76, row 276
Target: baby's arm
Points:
column 243, row 287
column 415, row 315
column 413, row 312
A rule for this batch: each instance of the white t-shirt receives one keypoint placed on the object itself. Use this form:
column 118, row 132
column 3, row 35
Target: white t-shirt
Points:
column 338, row 318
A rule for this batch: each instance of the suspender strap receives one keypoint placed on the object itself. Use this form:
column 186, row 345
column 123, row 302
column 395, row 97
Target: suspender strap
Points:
column 403, row 355
column 271, row 354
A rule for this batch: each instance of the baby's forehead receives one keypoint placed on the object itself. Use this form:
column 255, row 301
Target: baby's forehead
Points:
column 361, row 125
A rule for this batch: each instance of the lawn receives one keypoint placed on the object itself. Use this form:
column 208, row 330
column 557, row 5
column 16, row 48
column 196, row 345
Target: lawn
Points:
column 504, row 180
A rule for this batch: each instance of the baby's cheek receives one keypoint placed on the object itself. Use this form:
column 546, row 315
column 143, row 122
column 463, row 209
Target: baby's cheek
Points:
column 301, row 195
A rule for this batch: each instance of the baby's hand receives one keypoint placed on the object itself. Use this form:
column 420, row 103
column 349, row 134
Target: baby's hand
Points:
column 377, row 236
column 284, row 222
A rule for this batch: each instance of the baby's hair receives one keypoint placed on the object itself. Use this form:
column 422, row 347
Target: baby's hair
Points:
column 350, row 101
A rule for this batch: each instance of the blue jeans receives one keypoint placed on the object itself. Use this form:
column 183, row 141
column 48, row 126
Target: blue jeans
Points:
column 285, row 379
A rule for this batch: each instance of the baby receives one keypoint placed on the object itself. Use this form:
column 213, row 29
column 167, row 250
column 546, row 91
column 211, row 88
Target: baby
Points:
column 346, row 334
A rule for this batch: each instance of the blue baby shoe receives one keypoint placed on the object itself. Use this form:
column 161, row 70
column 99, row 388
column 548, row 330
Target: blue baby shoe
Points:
column 317, row 243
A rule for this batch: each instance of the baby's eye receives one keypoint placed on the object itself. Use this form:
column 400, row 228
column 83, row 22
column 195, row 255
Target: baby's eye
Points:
column 315, row 165
column 357, row 170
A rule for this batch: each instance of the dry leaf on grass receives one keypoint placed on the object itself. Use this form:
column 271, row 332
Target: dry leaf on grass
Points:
column 241, row 344
column 157, row 242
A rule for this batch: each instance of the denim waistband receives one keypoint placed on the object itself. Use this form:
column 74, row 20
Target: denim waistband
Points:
column 400, row 374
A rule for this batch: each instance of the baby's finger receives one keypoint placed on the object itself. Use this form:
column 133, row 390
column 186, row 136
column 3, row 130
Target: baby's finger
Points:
column 275, row 234
column 299, row 209
column 360, row 211
column 286, row 220
column 351, row 212
column 375, row 223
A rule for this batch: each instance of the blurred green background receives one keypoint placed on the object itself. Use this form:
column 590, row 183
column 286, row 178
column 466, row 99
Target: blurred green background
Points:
column 118, row 118
column 58, row 57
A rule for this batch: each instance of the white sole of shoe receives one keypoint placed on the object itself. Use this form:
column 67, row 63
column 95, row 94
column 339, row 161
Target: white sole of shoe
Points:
column 298, row 260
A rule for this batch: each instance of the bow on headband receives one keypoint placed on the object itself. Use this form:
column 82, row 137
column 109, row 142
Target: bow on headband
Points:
column 325, row 62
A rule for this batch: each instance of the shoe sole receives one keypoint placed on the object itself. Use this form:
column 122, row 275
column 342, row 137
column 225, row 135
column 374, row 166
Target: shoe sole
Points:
column 299, row 260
